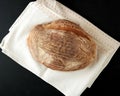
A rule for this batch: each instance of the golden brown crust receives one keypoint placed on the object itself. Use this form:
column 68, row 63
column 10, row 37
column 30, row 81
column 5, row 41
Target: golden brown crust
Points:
column 61, row 45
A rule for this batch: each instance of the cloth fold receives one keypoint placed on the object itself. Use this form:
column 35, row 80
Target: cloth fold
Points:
column 69, row 83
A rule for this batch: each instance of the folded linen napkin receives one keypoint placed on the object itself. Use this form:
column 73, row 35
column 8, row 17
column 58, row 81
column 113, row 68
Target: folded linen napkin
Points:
column 69, row 83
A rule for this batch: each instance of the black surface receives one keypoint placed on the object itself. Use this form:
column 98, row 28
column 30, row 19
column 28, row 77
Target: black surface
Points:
column 17, row 81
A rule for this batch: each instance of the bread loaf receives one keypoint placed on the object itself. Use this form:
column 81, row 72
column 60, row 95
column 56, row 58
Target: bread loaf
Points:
column 61, row 45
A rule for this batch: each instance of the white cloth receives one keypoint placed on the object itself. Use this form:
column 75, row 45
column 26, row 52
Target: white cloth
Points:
column 42, row 11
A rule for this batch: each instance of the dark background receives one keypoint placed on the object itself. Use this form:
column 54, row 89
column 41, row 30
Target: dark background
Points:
column 17, row 81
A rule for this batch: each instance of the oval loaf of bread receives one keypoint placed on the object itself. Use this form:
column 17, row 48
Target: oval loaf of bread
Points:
column 61, row 45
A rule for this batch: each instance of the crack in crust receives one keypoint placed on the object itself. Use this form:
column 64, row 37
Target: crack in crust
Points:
column 61, row 45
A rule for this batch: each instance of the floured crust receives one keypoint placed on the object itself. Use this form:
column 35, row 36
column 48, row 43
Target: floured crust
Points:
column 61, row 45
